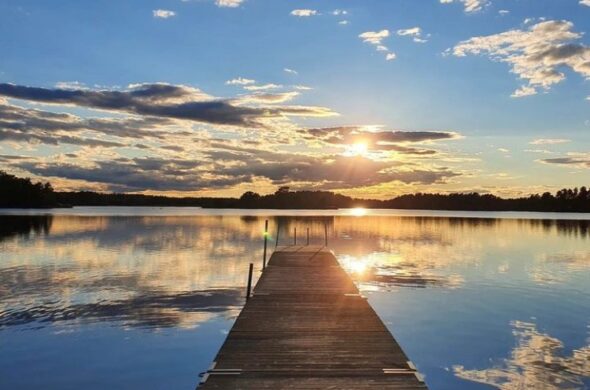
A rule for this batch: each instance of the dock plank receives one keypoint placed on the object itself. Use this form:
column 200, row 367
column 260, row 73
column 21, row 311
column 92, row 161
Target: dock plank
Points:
column 307, row 327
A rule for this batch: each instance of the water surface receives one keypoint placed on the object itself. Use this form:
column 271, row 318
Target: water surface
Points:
column 143, row 297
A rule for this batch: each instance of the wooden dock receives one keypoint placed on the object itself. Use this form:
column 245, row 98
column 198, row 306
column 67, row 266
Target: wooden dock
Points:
column 307, row 327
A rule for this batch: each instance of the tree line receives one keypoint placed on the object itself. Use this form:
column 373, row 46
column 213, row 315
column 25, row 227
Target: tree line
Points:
column 22, row 192
column 19, row 192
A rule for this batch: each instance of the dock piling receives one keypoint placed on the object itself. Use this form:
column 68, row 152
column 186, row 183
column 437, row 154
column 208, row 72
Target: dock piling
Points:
column 325, row 234
column 295, row 237
column 307, row 236
column 265, row 240
column 249, row 289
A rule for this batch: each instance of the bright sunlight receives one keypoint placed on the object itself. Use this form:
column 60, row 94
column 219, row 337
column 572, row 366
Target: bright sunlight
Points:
column 358, row 149
column 358, row 211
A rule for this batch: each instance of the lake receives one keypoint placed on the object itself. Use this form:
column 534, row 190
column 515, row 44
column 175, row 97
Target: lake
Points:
column 130, row 298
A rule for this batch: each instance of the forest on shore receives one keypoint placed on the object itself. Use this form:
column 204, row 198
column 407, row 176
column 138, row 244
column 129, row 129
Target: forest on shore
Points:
column 18, row 192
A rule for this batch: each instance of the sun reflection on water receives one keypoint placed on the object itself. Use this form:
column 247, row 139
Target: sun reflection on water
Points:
column 354, row 265
column 358, row 211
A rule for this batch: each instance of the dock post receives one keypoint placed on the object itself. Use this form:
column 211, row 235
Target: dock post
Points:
column 277, row 237
column 265, row 240
column 325, row 234
column 307, row 236
column 295, row 237
column 249, row 289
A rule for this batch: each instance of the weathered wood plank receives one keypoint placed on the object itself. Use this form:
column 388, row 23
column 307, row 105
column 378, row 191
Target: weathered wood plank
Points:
column 307, row 327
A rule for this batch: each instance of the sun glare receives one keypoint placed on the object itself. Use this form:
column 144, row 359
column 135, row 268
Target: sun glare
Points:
column 358, row 149
column 358, row 267
column 355, row 265
column 358, row 211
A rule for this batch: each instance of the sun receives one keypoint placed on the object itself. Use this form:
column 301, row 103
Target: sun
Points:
column 358, row 149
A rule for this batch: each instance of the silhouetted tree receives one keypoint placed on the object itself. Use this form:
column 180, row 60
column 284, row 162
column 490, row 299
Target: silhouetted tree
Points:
column 19, row 192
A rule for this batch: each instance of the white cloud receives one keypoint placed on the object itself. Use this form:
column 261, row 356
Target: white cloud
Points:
column 304, row 12
column 503, row 12
column 339, row 12
column 414, row 32
column 549, row 141
column 302, row 87
column 163, row 13
column 343, row 22
column 470, row 5
column 536, row 54
column 585, row 2
column 262, row 87
column 376, row 38
column 228, row 3
column 240, row 81
column 267, row 98
column 291, row 71
column 70, row 85
column 523, row 91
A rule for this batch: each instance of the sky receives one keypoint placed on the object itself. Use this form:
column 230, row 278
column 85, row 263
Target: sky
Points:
column 362, row 97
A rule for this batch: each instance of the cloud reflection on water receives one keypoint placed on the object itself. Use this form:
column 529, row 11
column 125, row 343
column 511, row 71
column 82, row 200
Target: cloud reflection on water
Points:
column 142, row 272
column 149, row 311
column 74, row 268
column 537, row 362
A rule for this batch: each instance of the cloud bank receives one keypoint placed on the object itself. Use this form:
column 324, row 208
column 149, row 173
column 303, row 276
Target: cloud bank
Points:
column 162, row 100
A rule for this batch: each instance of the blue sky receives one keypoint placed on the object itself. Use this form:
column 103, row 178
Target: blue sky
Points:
column 439, row 78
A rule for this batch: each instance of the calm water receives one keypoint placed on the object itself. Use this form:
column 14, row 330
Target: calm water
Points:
column 126, row 298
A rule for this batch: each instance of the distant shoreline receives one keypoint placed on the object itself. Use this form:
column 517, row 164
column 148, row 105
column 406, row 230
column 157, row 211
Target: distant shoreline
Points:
column 132, row 200
column 293, row 209
column 59, row 207
column 187, row 211
column 22, row 193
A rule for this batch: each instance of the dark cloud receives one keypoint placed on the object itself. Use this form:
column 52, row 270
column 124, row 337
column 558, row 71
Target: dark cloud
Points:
column 36, row 126
column 137, row 174
column 378, row 140
column 223, row 168
column 333, row 172
column 576, row 161
column 329, row 172
column 561, row 53
column 173, row 148
column 7, row 157
column 404, row 149
column 49, row 139
column 160, row 100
